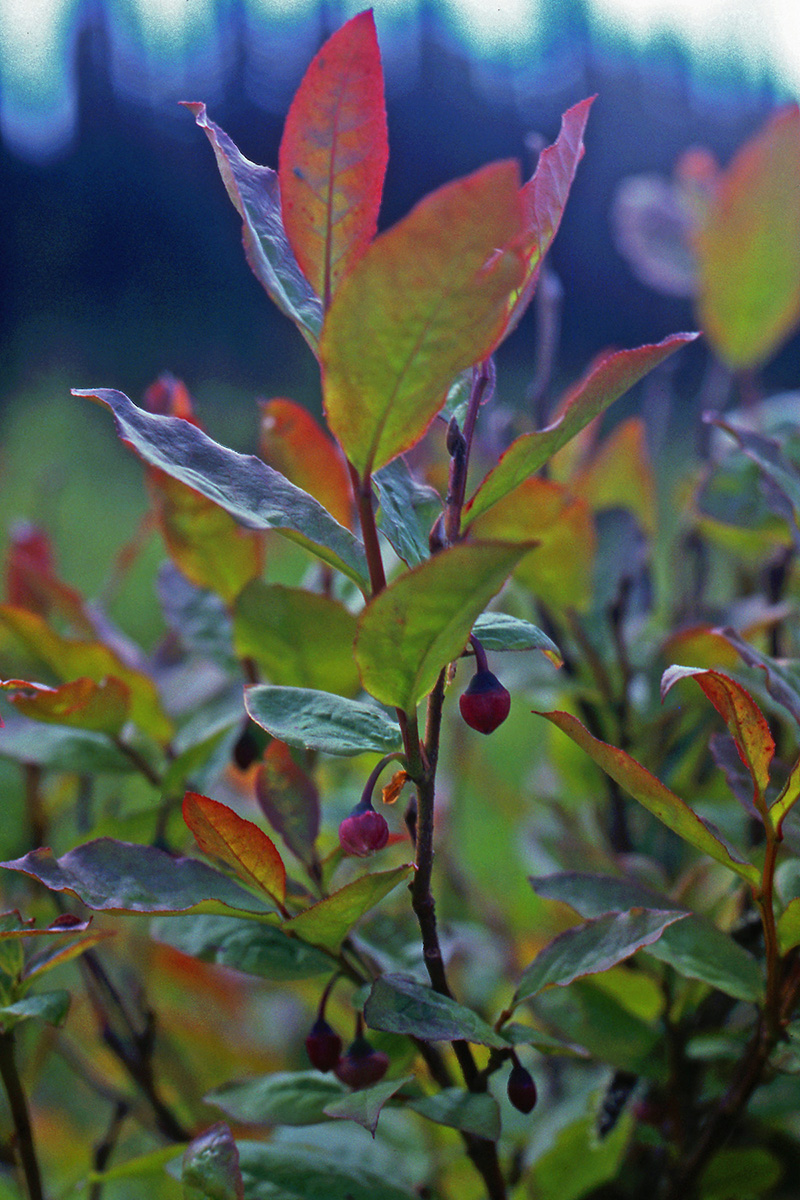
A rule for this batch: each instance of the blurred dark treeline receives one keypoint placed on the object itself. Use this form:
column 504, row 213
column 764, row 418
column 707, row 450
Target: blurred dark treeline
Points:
column 121, row 257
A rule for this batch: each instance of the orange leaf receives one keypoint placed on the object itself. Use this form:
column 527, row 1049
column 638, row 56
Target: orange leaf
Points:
column 619, row 475
column 223, row 834
column 394, row 787
column 101, row 707
column 333, row 156
column 291, row 441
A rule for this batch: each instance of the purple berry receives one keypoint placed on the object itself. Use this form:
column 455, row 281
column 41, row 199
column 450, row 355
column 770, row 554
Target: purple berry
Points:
column 486, row 703
column 362, row 1065
column 363, row 832
column 521, row 1089
column 323, row 1046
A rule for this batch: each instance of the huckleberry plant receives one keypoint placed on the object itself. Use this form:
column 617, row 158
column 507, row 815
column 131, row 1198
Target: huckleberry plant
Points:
column 291, row 680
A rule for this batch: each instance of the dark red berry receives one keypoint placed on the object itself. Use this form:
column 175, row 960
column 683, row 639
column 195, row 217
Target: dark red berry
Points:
column 486, row 703
column 363, row 832
column 323, row 1046
column 362, row 1065
column 521, row 1089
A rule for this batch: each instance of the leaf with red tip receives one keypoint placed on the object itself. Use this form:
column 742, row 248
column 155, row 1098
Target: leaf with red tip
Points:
column 289, row 800
column 291, row 441
column 544, row 198
column 609, row 377
column 333, row 156
column 748, row 248
column 255, row 194
column 327, row 923
column 746, row 723
column 210, row 1166
column 101, row 706
column 653, row 795
column 426, row 300
column 221, row 833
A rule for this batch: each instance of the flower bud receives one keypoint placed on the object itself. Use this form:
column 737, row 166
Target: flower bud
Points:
column 362, row 1065
column 363, row 832
column 521, row 1089
column 323, row 1046
column 486, row 703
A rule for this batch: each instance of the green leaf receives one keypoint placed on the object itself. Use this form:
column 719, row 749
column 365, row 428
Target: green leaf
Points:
column 587, row 1014
column 320, row 720
column 653, row 795
column 741, row 1173
column 427, row 299
column 327, row 923
column 61, row 749
column 789, row 926
column 399, row 1004
column 500, row 631
column 475, row 1113
column 54, row 956
column 578, row 1163
column 407, row 511
column 287, row 1172
column 746, row 723
column 297, row 638
column 154, row 1161
column 422, row 621
column 123, row 877
column 606, row 381
column 255, row 194
column 51, row 1007
column 249, row 946
column 695, row 947
column 364, row 1106
column 593, row 947
column 240, row 483
column 200, row 619
column 748, row 247
column 282, row 1098
column 767, row 453
column 210, row 1167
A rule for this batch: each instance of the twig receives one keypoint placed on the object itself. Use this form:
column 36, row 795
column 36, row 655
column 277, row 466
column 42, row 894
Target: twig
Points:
column 18, row 1103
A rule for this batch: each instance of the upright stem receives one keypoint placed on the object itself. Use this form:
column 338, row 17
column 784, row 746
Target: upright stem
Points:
column 18, row 1103
column 362, row 493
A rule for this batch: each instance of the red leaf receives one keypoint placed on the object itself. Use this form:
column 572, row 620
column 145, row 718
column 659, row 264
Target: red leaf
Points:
column 291, row 441
column 223, row 834
column 746, row 723
column 289, row 800
column 333, row 156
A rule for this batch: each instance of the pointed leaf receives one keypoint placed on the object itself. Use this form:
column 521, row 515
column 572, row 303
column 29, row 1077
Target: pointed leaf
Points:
column 769, row 456
column 471, row 1112
column 653, row 795
column 422, row 304
column 253, row 947
column 100, row 706
column 365, row 1106
column 210, row 1167
column 55, row 956
column 400, row 1004
column 422, row 621
column 282, row 1098
column 71, row 659
column 560, row 570
column 255, row 194
column 694, row 946
column 328, row 923
column 501, row 631
column 544, row 198
column 13, row 926
column 289, row 800
column 222, row 833
column 123, row 877
column 51, row 1007
column 608, row 379
column 320, row 720
column 748, row 248
column 593, row 947
column 746, row 723
column 291, row 441
column 203, row 540
column 240, row 483
column 297, row 638
column 789, row 926
column 333, row 156
column 781, row 683
column 298, row 1173
column 407, row 511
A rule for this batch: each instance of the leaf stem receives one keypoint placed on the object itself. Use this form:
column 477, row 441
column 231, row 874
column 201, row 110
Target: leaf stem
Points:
column 18, row 1103
column 362, row 494
column 459, row 445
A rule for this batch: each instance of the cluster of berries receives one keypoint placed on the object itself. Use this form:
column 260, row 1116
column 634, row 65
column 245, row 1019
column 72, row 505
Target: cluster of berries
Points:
column 360, row 1067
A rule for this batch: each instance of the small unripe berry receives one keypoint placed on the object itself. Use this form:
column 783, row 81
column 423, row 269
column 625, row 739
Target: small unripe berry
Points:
column 521, row 1089
column 323, row 1046
column 486, row 703
column 363, row 832
column 362, row 1065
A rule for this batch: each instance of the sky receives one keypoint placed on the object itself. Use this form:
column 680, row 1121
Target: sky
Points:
column 37, row 93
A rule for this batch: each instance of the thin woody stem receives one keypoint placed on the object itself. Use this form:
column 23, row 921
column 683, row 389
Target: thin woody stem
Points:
column 18, row 1103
